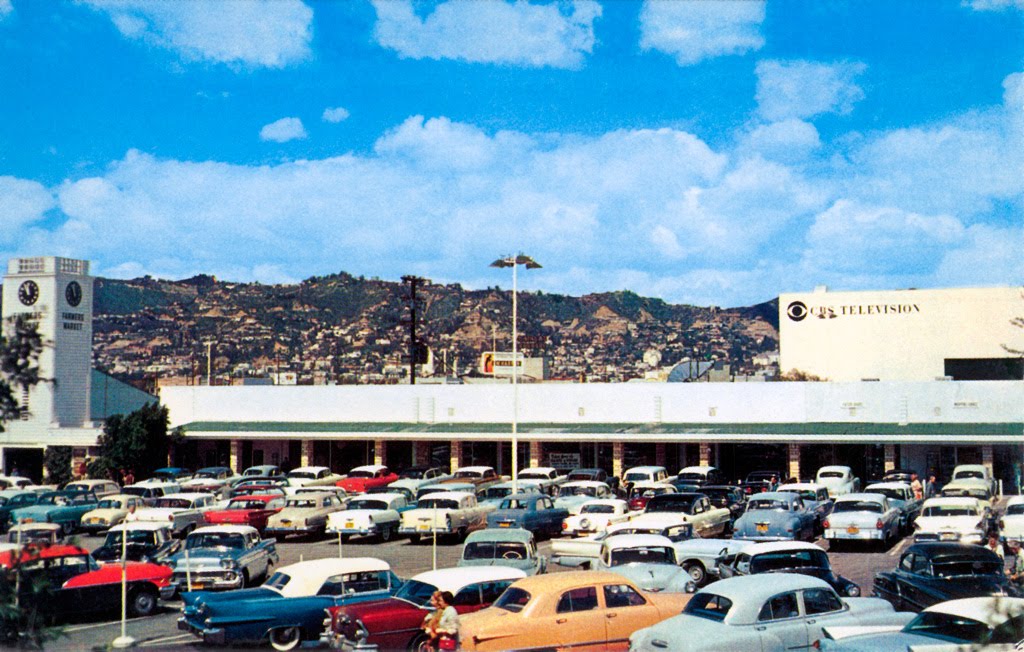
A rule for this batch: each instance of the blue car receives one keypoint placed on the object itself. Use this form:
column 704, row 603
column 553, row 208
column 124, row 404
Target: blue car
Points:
column 535, row 512
column 776, row 516
column 65, row 508
column 288, row 609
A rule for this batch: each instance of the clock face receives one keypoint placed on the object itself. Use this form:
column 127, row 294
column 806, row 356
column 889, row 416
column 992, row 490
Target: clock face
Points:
column 28, row 293
column 73, row 293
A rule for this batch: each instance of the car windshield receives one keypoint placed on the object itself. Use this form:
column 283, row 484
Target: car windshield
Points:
column 360, row 474
column 577, row 491
column 637, row 477
column 709, row 606
column 413, row 474
column 215, row 540
column 513, row 599
column 768, row 504
column 515, row 503
column 980, row 494
column 643, row 555
column 24, row 499
column 534, row 475
column 438, row 503
column 302, row 475
column 53, row 499
column 469, row 474
column 774, row 561
column 368, row 504
column 1015, row 510
column 692, row 476
column 304, row 503
column 670, row 503
column 246, row 504
column 963, row 475
column 204, row 474
column 416, row 592
column 137, row 537
column 109, row 504
column 806, row 494
column 495, row 550
column 948, row 627
column 598, row 509
column 892, row 494
column 967, row 567
column 173, row 503
column 497, row 492
column 278, row 581
column 857, row 506
column 579, row 476
column 830, row 474
column 949, row 510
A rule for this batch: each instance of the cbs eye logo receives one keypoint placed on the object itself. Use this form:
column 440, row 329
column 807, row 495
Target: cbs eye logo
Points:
column 797, row 311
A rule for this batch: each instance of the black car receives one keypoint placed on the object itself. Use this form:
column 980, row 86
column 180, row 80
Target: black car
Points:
column 786, row 557
column 722, row 495
column 929, row 573
column 597, row 475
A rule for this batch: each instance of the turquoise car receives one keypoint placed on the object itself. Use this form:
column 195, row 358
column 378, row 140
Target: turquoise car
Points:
column 65, row 508
column 513, row 548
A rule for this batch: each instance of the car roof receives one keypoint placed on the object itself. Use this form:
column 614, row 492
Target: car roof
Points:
column 836, row 467
column 453, row 579
column 646, row 468
column 934, row 549
column 553, row 582
column 370, row 467
column 748, row 593
column 704, row 468
column 140, row 525
column 802, row 485
column 614, row 502
column 951, row 500
column 779, row 546
column 636, row 540
column 585, row 483
column 892, row 484
column 865, row 496
column 318, row 493
column 381, row 495
column 476, row 469
column 501, row 534
column 120, row 497
column 653, row 484
column 660, row 520
column 787, row 496
column 1016, row 500
column 308, row 469
column 544, row 469
column 308, row 576
column 231, row 529
column 451, row 495
column 189, row 495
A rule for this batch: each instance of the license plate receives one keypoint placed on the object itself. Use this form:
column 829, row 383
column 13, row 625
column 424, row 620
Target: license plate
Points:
column 853, row 529
column 198, row 586
column 947, row 536
column 424, row 528
column 762, row 527
column 349, row 525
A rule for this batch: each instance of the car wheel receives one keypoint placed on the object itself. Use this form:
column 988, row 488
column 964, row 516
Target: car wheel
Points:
column 385, row 533
column 142, row 602
column 280, row 538
column 697, row 572
column 285, row 638
column 414, row 539
column 67, row 528
column 245, row 579
column 420, row 643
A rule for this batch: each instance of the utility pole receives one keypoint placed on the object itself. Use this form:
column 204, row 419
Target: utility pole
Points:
column 412, row 282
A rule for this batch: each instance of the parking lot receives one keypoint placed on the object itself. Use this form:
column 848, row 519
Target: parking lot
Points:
column 160, row 631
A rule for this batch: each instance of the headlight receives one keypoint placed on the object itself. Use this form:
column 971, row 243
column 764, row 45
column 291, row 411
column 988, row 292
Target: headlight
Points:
column 853, row 591
column 228, row 563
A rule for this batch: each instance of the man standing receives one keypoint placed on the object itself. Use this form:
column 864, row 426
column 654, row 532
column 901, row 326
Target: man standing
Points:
column 1016, row 566
column 916, row 487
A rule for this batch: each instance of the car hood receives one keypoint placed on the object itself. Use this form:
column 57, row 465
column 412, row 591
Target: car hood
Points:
column 36, row 512
column 520, row 564
column 650, row 577
column 106, row 512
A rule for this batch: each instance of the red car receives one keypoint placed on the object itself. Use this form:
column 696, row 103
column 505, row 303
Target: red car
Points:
column 78, row 584
column 248, row 510
column 367, row 479
column 394, row 624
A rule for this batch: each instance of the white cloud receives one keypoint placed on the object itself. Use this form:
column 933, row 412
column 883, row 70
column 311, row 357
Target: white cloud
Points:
column 852, row 237
column 803, row 89
column 788, row 141
column 21, row 203
column 252, row 33
column 994, row 5
column 6, row 9
column 336, row 114
column 694, row 31
column 283, row 130
column 988, row 255
column 519, row 33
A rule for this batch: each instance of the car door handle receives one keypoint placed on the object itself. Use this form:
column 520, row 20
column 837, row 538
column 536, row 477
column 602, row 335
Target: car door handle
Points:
column 611, row 615
column 811, row 622
column 560, row 621
column 760, row 628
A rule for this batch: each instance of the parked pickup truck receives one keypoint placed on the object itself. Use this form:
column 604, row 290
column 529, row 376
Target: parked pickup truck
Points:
column 223, row 557
column 708, row 521
column 448, row 513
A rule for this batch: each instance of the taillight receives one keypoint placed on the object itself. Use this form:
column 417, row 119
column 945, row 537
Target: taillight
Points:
column 170, row 517
column 879, row 524
column 825, row 524
column 565, row 526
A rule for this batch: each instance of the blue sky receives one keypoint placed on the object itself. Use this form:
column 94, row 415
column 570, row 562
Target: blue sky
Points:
column 707, row 151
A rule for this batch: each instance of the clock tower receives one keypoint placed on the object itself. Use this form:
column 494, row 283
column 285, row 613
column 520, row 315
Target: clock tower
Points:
column 55, row 293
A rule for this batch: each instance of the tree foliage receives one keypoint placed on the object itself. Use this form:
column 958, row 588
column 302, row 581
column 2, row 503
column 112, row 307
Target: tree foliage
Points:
column 799, row 376
column 57, row 460
column 20, row 347
column 137, row 441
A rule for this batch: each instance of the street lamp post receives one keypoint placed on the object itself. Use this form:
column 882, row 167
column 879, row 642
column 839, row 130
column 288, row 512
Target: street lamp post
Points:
column 514, row 262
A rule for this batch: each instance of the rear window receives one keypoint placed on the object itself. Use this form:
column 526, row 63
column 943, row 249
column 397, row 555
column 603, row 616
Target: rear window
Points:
column 513, row 599
column 857, row 506
column 709, row 606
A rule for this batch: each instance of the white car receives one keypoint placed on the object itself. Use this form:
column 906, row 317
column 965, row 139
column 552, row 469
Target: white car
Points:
column 595, row 516
column 648, row 560
column 648, row 473
column 970, row 488
column 1012, row 522
column 312, row 476
column 838, row 480
column 572, row 495
column 952, row 519
column 183, row 512
column 547, row 477
column 369, row 515
column 447, row 513
column 976, row 472
column 769, row 613
column 989, row 624
column 110, row 511
column 863, row 517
